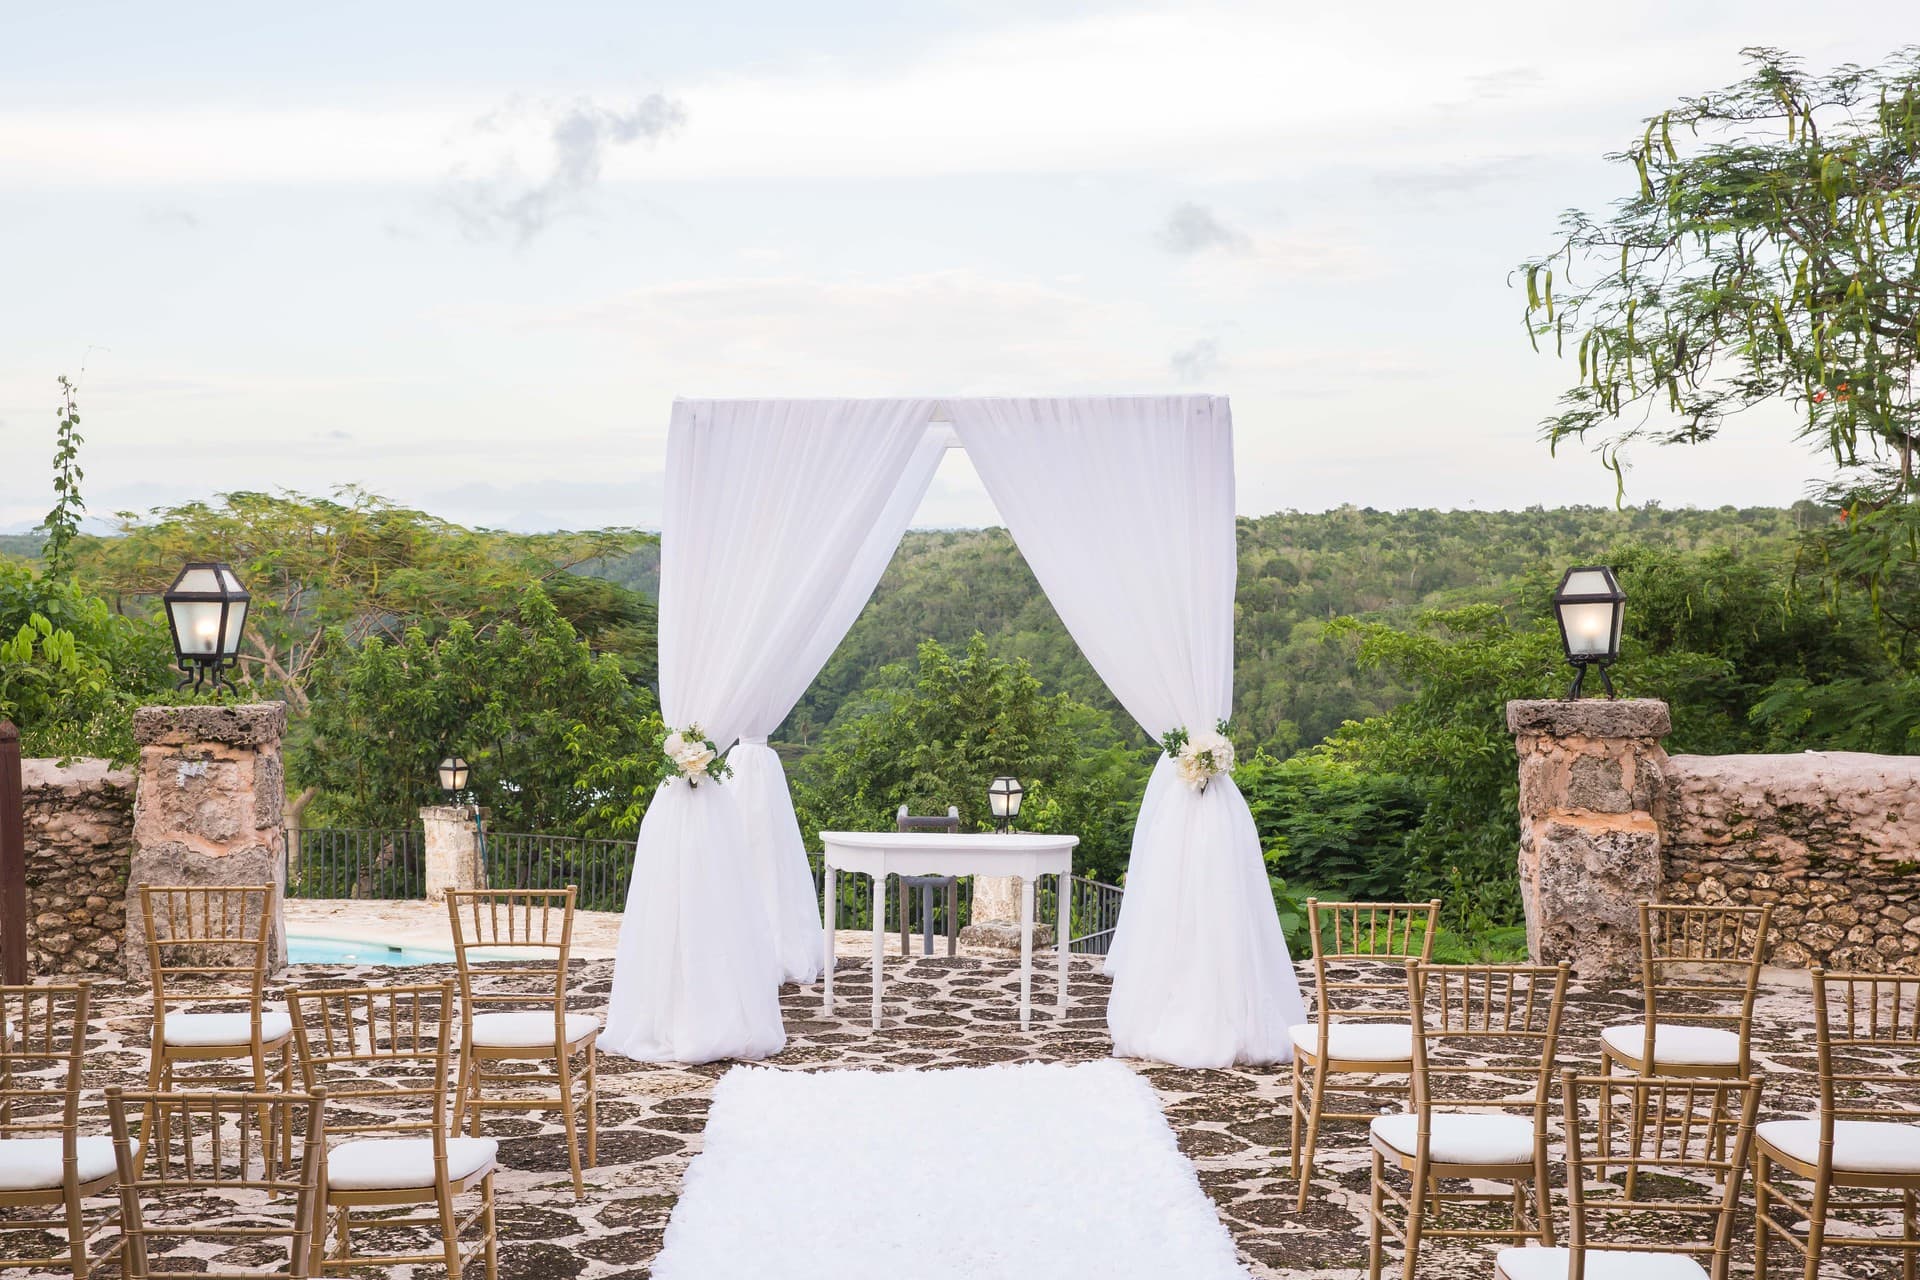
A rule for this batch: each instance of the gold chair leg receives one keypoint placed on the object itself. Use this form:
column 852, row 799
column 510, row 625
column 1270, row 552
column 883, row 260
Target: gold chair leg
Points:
column 1909, row 1257
column 1637, row 1120
column 493, row 1234
column 1317, row 1104
column 1760, row 1211
column 1377, row 1206
column 1542, row 1197
column 1816, row 1228
column 593, row 1106
column 1293, row 1121
column 449, row 1231
column 565, row 1069
column 1416, row 1218
column 77, row 1239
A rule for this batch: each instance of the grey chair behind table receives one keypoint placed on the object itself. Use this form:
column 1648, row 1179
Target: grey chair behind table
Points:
column 950, row 824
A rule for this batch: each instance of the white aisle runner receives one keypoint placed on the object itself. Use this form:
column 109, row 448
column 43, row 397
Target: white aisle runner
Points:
column 1039, row 1169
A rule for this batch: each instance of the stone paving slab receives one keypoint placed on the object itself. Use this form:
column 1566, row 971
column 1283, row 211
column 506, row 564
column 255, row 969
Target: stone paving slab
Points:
column 962, row 1012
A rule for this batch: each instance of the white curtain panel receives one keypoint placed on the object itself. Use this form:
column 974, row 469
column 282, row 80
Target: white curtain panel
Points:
column 769, row 504
column 1123, row 507
column 758, row 779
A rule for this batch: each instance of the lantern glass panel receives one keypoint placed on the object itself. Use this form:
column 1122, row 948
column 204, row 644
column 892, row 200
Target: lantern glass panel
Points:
column 1587, row 582
column 196, row 623
column 1593, row 628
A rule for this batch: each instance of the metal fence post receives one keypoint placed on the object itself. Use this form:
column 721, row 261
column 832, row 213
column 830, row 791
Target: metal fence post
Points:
column 13, row 861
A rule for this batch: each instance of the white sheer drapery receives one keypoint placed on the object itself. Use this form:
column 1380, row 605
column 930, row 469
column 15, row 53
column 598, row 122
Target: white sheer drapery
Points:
column 1123, row 507
column 773, row 833
column 769, row 504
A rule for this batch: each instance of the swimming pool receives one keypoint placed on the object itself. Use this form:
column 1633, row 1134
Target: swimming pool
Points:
column 305, row 948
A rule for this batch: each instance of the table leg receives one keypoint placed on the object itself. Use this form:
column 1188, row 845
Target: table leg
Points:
column 1063, row 925
column 830, row 914
column 879, row 941
column 1026, row 950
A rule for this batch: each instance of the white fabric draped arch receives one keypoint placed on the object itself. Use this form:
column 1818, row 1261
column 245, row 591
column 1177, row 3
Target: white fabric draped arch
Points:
column 1123, row 507
column 780, row 518
column 770, row 505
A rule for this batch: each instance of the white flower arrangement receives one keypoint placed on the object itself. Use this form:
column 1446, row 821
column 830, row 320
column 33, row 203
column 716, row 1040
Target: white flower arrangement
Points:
column 692, row 756
column 1199, row 757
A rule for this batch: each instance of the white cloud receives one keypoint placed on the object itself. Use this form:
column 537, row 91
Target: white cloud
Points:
column 571, row 144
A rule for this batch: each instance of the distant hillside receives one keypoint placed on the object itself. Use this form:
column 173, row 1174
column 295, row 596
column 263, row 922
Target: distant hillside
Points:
column 1297, row 570
column 24, row 546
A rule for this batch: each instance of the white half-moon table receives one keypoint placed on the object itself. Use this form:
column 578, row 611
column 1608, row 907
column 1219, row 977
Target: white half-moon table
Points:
column 934, row 853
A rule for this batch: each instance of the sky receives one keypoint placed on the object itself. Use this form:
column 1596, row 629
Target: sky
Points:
column 465, row 255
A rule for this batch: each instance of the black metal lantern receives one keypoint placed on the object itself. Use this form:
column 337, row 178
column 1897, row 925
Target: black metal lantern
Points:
column 1590, row 608
column 1003, row 799
column 453, row 776
column 206, row 612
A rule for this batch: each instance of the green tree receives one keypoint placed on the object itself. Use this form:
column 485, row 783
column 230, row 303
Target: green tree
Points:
column 63, row 521
column 559, row 740
column 1766, row 253
column 936, row 734
column 343, row 569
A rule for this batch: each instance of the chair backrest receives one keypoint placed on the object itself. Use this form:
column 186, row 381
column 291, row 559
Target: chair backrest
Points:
column 42, row 1048
column 1682, row 1136
column 1484, row 1036
column 1706, row 955
column 524, row 937
column 382, row 1051
column 1377, row 938
column 210, row 1146
column 1867, row 1034
column 206, row 942
column 948, row 822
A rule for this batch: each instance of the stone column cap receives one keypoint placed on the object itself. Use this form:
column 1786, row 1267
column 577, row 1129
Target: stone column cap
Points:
column 1590, row 717
column 245, row 724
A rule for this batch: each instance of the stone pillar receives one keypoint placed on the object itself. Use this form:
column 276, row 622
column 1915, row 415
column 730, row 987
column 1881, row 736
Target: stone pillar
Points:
column 993, row 921
column 209, row 809
column 1591, row 791
column 453, row 849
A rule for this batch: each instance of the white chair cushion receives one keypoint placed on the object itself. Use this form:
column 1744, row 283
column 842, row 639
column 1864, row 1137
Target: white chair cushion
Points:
column 394, row 1164
column 1602, row 1264
column 199, row 1030
column 1676, row 1046
column 1463, row 1138
column 527, row 1030
column 37, row 1164
column 1357, row 1041
column 1859, row 1146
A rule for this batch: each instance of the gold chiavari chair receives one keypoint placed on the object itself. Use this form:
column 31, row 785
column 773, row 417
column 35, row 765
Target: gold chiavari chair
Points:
column 1611, row 1235
column 526, row 1021
column 215, row 1180
column 1484, row 1037
column 1866, row 1136
column 207, row 944
column 382, row 1053
column 1694, row 961
column 45, row 1162
column 1363, row 1029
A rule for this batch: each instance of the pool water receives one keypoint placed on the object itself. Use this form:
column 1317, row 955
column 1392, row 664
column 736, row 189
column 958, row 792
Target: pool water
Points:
column 308, row 949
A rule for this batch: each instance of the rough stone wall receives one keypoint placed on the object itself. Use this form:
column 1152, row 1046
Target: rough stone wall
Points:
column 79, row 826
column 211, row 809
column 1830, row 838
column 1590, row 799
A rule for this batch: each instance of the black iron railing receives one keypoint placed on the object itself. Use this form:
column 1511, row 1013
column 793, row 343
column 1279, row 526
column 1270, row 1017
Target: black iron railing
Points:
column 600, row 868
column 348, row 862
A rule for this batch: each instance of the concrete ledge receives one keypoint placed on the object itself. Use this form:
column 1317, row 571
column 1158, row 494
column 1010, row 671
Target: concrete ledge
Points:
column 246, row 724
column 1590, row 717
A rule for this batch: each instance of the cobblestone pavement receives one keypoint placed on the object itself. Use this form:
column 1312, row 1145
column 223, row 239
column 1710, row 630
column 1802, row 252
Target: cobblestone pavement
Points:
column 957, row 1013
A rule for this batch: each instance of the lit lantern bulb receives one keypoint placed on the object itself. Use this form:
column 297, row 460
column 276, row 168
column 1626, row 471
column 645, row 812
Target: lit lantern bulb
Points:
column 208, row 632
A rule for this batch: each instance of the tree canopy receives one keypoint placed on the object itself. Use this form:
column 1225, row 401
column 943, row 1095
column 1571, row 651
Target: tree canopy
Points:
column 1766, row 253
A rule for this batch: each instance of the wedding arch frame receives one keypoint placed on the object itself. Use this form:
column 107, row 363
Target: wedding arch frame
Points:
column 780, row 517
